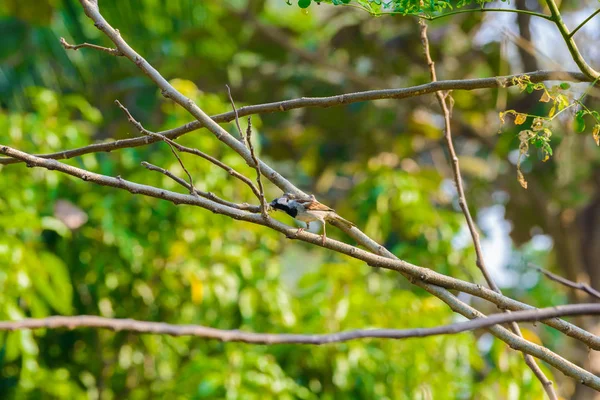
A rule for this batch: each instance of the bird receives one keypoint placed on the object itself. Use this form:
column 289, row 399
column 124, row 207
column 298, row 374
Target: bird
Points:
column 307, row 209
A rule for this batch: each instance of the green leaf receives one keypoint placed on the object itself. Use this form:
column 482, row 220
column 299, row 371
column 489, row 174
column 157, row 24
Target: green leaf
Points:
column 565, row 86
column 304, row 3
column 579, row 122
column 530, row 87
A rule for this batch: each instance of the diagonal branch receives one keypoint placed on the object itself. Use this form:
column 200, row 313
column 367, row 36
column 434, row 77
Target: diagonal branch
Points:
column 566, row 282
column 571, row 45
column 462, row 201
column 92, row 11
column 116, row 324
column 247, row 140
column 185, row 149
column 585, row 21
column 191, row 189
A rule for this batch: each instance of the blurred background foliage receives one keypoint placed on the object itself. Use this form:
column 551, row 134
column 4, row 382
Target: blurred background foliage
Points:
column 68, row 247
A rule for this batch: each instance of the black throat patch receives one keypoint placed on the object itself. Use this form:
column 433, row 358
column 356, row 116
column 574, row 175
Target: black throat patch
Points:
column 292, row 212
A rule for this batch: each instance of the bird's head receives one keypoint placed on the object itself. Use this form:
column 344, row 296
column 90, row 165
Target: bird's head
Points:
column 282, row 203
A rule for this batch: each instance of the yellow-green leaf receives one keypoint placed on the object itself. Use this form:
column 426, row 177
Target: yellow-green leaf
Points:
column 520, row 119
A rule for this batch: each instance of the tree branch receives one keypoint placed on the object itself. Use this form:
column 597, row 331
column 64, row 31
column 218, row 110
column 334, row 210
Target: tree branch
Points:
column 185, row 149
column 264, row 208
column 571, row 45
column 115, row 324
column 585, row 21
column 67, row 46
column 566, row 282
column 247, row 140
column 208, row 195
column 91, row 9
column 318, row 102
column 462, row 201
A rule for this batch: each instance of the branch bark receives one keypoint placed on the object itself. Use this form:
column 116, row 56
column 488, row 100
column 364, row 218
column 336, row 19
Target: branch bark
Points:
column 318, row 102
column 571, row 45
column 116, row 324
column 442, row 98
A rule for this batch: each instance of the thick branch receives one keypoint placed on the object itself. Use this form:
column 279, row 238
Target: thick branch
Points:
column 319, row 102
column 89, row 321
column 91, row 9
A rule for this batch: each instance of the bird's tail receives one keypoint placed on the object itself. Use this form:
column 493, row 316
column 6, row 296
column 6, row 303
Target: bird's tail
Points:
column 343, row 221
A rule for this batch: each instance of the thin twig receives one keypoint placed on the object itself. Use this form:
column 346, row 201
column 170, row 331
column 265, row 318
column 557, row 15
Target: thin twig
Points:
column 566, row 282
column 208, row 195
column 585, row 21
column 185, row 149
column 145, row 131
column 248, row 143
column 67, row 46
column 264, row 209
column 317, row 102
column 116, row 324
column 462, row 201
column 235, row 112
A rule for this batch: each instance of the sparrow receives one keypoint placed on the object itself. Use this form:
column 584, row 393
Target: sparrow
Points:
column 307, row 210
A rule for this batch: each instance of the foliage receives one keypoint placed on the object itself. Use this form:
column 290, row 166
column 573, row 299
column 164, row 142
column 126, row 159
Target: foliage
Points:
column 539, row 135
column 403, row 7
column 141, row 258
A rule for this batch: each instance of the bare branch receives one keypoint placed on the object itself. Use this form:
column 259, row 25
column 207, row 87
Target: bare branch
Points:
column 264, row 208
column 235, row 112
column 564, row 281
column 144, row 131
column 248, row 142
column 514, row 341
column 189, row 150
column 115, row 324
column 318, row 102
column 462, row 201
column 67, row 46
column 90, row 7
column 208, row 195
column 92, row 11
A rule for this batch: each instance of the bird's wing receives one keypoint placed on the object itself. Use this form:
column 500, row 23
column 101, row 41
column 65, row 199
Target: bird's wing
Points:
column 316, row 206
